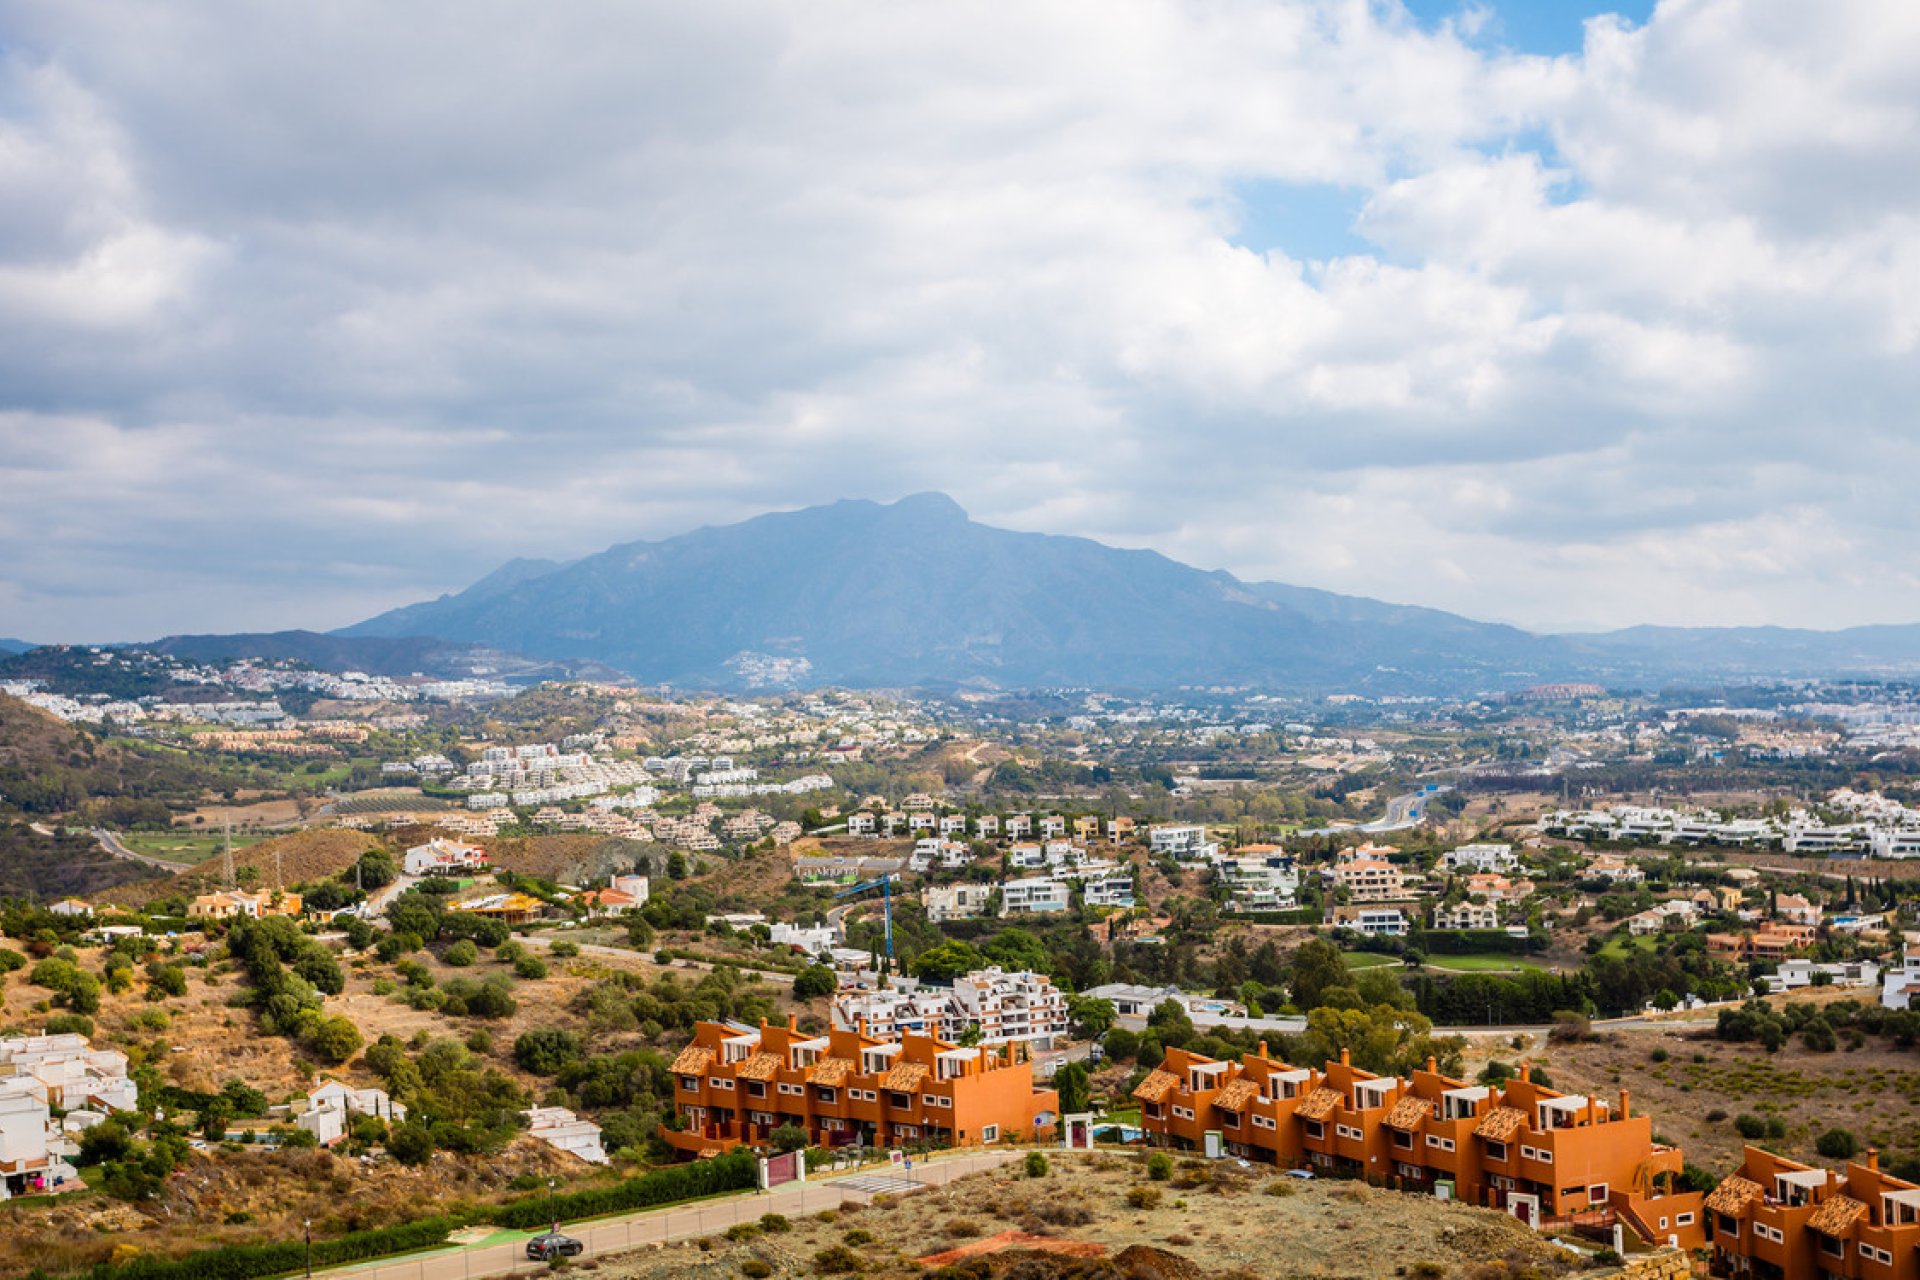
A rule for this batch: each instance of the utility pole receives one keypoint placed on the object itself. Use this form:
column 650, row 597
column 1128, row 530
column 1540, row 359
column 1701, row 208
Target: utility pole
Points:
column 226, row 844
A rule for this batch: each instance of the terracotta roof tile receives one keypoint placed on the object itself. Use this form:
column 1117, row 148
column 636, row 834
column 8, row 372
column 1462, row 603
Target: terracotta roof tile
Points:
column 1836, row 1215
column 1500, row 1124
column 905, row 1076
column 692, row 1060
column 761, row 1066
column 1408, row 1113
column 1237, row 1096
column 830, row 1071
column 1156, row 1086
column 1319, row 1104
column 1733, row 1195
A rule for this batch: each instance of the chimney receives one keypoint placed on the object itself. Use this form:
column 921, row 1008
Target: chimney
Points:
column 1433, row 1065
column 793, row 1022
column 1263, row 1048
column 1526, row 1070
column 1873, row 1158
column 1625, row 1112
column 1345, row 1058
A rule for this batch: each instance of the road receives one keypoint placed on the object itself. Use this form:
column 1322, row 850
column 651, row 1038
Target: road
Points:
column 111, row 843
column 1403, row 812
column 504, row 1253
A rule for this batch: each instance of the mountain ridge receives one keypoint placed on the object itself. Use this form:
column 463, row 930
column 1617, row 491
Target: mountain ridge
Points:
column 915, row 593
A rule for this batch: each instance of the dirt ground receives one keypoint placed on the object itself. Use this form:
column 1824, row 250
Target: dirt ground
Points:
column 1873, row 1091
column 1212, row 1219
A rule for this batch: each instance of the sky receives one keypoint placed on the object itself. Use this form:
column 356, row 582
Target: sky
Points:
column 1563, row 314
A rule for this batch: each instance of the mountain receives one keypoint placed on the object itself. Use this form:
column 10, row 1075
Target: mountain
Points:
column 10, row 645
column 915, row 593
column 402, row 655
column 1666, row 653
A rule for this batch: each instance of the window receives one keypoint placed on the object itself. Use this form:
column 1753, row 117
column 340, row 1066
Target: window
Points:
column 826, row 1093
column 1435, row 1140
column 1727, row 1226
column 720, row 1082
column 1229, row 1120
column 1151, row 1110
column 756, row 1089
column 1314, row 1128
column 1831, row 1247
column 1402, row 1139
column 990, row 1133
column 1348, row 1131
column 690, row 1083
column 1496, row 1150
column 1683, row 1220
column 794, row 1090
column 1597, row 1193
column 900, row 1101
column 1262, row 1122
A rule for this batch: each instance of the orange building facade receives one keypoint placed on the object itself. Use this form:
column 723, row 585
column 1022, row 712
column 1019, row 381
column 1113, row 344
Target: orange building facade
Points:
column 735, row 1085
column 1777, row 1219
column 1523, row 1148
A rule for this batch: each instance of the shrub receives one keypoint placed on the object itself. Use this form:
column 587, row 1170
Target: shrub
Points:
column 1658, row 1055
column 1750, row 1126
column 734, row 1171
column 756, row 1269
column 1279, row 1187
column 1036, row 1165
column 836, row 1259
column 774, row 1223
column 859, row 1235
column 962, row 1227
column 1143, row 1197
column 462, row 953
column 1159, row 1166
column 1837, row 1144
column 566, row 951
column 741, row 1231
column 531, row 968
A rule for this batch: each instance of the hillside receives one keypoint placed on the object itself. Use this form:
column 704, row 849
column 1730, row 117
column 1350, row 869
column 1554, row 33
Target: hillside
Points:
column 376, row 655
column 917, row 593
column 48, row 867
column 295, row 858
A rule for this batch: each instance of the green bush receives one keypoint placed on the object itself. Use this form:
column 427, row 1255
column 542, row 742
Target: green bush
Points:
column 735, row 1171
column 1159, row 1166
column 1837, row 1144
column 1036, row 1165
column 1750, row 1126
column 462, row 953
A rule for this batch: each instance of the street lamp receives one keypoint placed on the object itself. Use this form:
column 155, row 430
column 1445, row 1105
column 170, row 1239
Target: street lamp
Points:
column 308, row 1223
column 551, row 1183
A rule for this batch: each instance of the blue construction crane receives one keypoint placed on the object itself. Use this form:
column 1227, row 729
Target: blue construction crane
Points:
column 885, row 885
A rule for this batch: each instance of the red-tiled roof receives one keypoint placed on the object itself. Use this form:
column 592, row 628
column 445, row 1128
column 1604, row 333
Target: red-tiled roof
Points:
column 1319, row 1104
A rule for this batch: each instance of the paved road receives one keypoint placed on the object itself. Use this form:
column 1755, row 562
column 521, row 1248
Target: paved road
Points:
column 1403, row 812
column 500, row 1256
column 111, row 843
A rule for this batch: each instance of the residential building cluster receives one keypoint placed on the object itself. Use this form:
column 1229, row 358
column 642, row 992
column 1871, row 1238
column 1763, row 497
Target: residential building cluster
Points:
column 1002, row 1006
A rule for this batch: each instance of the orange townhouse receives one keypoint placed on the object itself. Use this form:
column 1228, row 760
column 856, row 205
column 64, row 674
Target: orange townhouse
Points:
column 1522, row 1148
column 735, row 1085
column 1777, row 1219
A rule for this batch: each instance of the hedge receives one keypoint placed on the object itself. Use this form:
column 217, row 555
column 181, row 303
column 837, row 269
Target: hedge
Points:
column 1300, row 915
column 244, row 1261
column 735, row 1171
column 1441, row 942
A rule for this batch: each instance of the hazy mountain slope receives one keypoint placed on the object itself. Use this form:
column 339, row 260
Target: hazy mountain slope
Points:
column 376, row 655
column 915, row 592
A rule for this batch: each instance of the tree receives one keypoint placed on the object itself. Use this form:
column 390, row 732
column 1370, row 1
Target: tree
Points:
column 335, row 1039
column 946, row 962
column 410, row 1143
column 1317, row 965
column 547, row 1051
column 462, row 953
column 814, row 981
column 1076, row 1091
column 788, row 1137
column 1092, row 1018
column 376, row 869
column 1170, row 1024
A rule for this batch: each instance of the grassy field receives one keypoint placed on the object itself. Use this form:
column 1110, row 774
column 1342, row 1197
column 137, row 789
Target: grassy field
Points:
column 191, row 848
column 1480, row 964
column 1369, row 960
column 1621, row 946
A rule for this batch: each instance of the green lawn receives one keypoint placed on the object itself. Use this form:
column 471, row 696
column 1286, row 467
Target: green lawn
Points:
column 1480, row 964
column 182, row 846
column 1621, row 946
column 1369, row 960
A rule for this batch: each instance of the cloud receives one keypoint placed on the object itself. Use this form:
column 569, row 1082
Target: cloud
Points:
column 311, row 314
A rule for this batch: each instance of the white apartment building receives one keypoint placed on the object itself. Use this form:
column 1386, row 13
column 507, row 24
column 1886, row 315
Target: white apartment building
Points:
column 1260, row 884
column 440, row 856
column 1180, row 840
column 1109, row 891
column 66, row 1072
column 1374, row 922
column 28, row 1165
column 1900, row 986
column 955, row 901
column 986, row 826
column 812, row 941
column 1480, row 857
column 1467, row 915
column 890, row 1014
column 1012, row 1006
column 564, row 1131
column 1032, row 896
column 331, row 1107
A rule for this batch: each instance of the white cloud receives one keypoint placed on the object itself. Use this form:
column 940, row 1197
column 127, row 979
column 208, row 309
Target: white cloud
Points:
column 368, row 301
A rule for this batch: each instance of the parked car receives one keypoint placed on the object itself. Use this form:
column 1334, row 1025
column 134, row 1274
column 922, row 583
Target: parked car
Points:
column 1298, row 1173
column 545, row 1248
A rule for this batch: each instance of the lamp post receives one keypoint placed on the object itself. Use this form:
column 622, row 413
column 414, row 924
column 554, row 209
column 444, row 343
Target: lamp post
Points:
column 308, row 1224
column 551, row 1215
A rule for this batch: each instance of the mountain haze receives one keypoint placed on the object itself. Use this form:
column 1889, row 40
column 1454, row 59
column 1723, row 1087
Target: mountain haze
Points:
column 916, row 593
